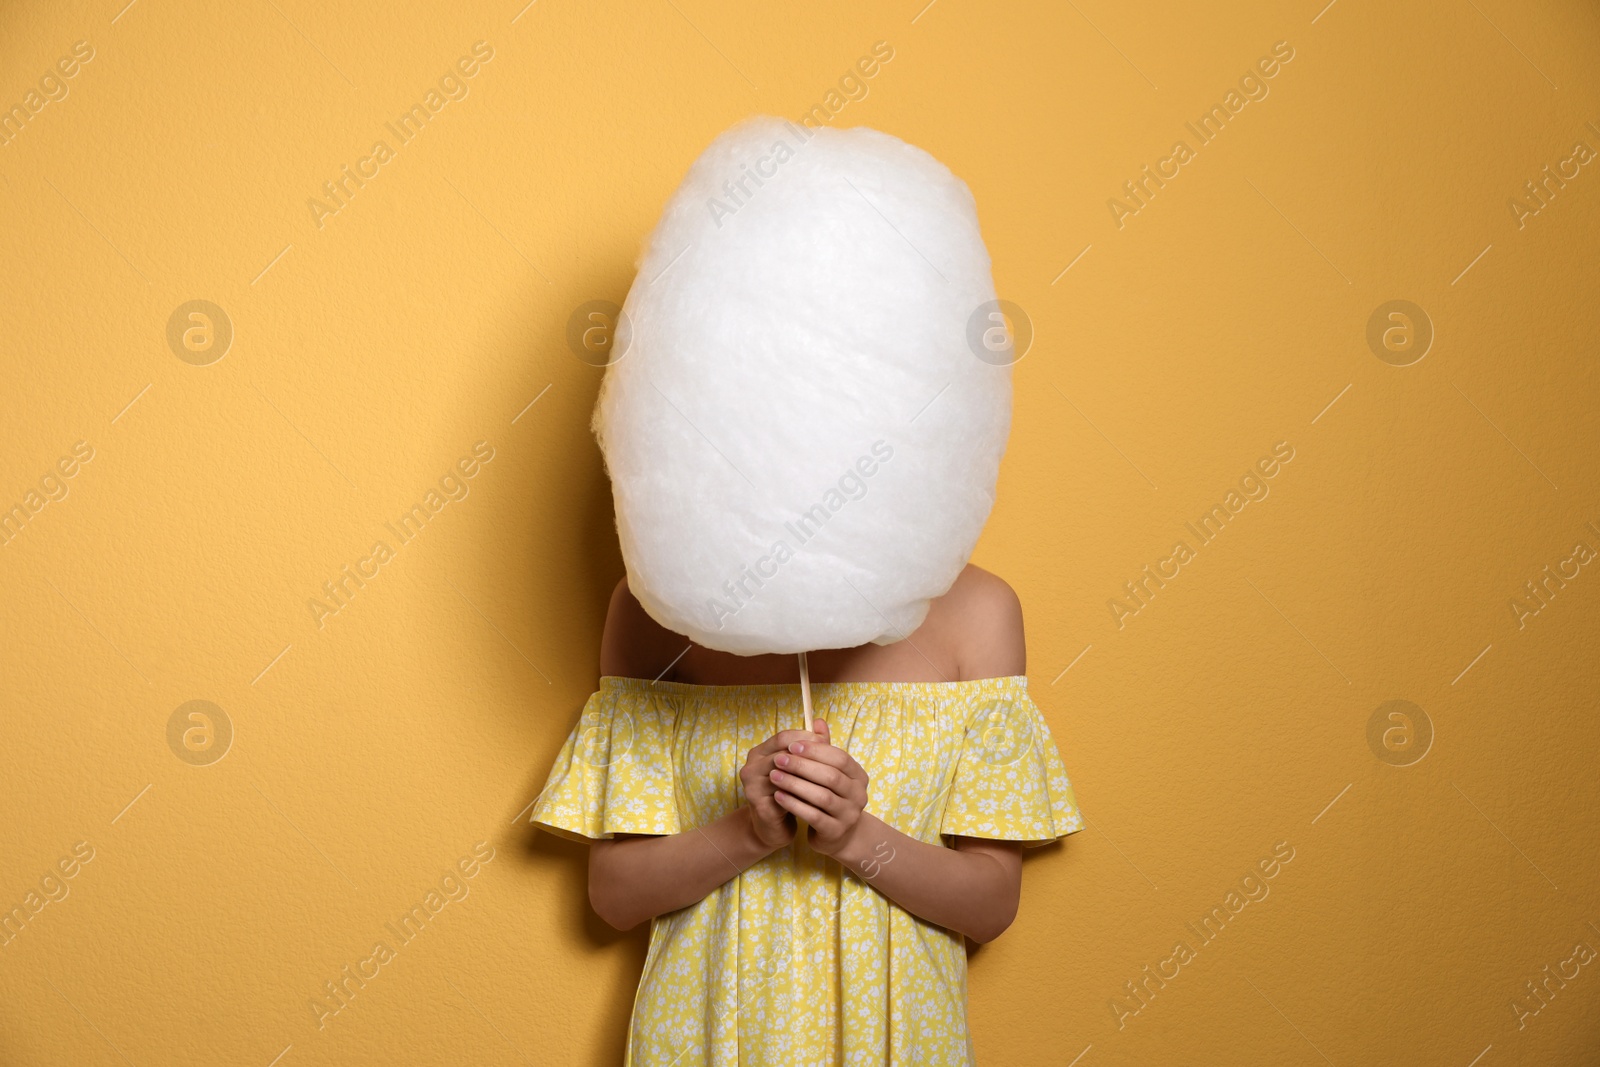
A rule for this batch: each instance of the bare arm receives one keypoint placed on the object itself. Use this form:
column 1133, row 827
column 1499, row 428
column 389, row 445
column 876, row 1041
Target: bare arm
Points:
column 972, row 889
column 632, row 879
column 635, row 878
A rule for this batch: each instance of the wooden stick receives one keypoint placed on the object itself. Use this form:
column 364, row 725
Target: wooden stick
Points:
column 805, row 691
column 805, row 705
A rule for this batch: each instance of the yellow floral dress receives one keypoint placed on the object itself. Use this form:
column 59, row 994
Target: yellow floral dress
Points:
column 796, row 962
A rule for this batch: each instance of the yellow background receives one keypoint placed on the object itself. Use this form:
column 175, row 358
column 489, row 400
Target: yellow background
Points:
column 371, row 353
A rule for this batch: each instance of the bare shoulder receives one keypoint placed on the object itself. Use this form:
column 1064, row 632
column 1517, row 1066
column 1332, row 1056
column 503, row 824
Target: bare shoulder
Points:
column 634, row 645
column 980, row 620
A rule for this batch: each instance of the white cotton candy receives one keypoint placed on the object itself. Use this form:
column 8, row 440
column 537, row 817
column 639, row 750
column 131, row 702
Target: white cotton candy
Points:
column 802, row 444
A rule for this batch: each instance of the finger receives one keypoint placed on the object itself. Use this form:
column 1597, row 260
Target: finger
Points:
column 767, row 810
column 780, row 741
column 764, row 805
column 818, row 796
column 824, row 774
column 800, row 809
column 829, row 754
column 758, row 768
column 820, row 728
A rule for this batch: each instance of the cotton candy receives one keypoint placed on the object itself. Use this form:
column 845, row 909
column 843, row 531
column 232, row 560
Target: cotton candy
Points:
column 802, row 438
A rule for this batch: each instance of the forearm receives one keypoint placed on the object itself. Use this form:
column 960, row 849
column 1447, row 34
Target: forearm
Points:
column 637, row 878
column 972, row 893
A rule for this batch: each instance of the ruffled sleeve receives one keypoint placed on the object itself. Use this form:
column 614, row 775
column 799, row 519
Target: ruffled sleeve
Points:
column 614, row 773
column 1010, row 783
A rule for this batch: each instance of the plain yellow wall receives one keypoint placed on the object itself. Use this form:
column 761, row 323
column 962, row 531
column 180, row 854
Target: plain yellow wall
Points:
column 373, row 347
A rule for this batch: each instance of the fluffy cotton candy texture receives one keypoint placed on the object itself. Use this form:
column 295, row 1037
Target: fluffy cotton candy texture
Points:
column 783, row 333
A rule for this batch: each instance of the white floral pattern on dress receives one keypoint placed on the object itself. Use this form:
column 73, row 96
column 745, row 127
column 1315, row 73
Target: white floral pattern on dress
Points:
column 794, row 962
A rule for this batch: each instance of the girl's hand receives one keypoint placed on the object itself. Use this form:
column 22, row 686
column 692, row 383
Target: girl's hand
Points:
column 773, row 826
column 824, row 786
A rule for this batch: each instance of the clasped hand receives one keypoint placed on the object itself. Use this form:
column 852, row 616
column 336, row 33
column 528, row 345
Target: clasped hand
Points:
column 798, row 773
